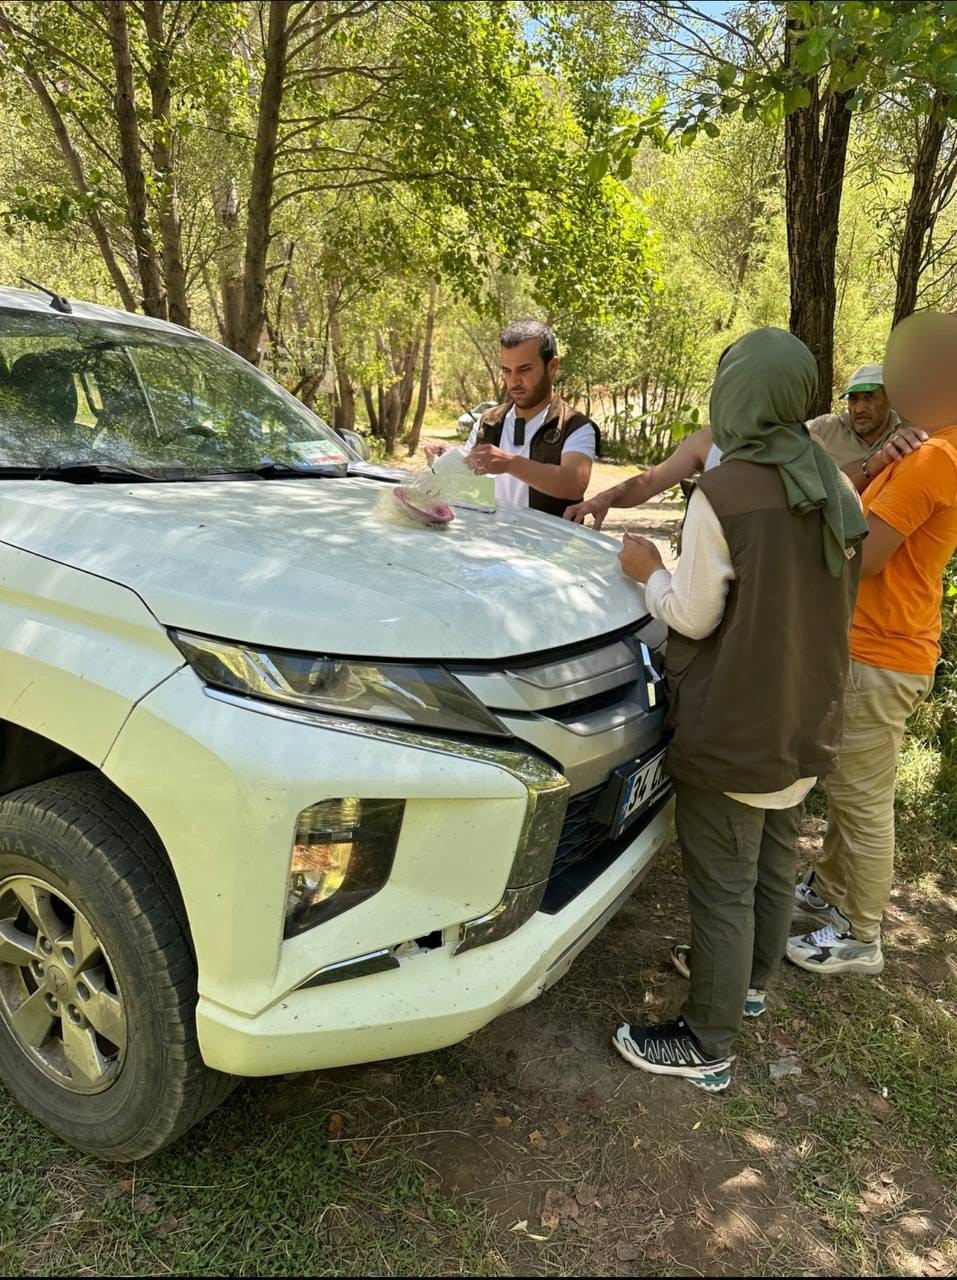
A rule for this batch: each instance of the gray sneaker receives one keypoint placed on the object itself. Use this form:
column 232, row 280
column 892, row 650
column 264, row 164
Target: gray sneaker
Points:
column 828, row 951
column 812, row 908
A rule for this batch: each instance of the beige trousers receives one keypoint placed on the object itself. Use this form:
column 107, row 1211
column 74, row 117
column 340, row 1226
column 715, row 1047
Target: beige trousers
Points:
column 857, row 870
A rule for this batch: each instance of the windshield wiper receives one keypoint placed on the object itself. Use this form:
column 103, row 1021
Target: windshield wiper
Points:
column 378, row 471
column 91, row 471
column 77, row 473
column 285, row 471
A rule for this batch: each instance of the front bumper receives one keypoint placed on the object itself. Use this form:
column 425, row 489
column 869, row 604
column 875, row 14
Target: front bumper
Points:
column 434, row 998
column 224, row 799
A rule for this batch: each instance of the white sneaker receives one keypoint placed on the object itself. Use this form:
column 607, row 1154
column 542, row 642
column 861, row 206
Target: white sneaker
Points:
column 811, row 907
column 828, row 951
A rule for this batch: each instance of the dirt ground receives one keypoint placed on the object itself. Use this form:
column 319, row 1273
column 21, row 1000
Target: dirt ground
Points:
column 576, row 1164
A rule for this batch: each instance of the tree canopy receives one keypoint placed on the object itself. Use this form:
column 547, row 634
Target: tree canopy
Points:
column 357, row 192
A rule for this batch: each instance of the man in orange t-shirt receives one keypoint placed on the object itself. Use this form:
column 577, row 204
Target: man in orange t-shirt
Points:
column 911, row 510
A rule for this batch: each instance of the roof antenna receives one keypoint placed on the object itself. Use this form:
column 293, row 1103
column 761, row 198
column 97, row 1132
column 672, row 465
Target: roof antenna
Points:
column 57, row 301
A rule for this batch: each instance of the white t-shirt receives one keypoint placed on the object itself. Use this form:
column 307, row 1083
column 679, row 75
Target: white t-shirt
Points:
column 713, row 458
column 511, row 491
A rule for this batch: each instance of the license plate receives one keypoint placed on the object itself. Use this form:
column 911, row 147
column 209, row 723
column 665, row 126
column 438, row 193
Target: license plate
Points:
column 646, row 783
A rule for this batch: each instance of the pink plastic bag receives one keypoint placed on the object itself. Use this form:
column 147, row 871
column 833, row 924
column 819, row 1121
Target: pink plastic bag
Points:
column 421, row 508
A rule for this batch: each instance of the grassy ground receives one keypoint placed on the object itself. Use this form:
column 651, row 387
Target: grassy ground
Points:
column 532, row 1150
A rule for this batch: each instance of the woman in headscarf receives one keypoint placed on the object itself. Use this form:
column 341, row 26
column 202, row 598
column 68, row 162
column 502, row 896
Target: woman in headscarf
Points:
column 758, row 611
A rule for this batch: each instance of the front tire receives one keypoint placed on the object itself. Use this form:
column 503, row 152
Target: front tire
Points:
column 97, row 975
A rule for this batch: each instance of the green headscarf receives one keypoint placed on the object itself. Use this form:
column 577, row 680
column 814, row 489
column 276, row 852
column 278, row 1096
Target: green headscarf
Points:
column 761, row 396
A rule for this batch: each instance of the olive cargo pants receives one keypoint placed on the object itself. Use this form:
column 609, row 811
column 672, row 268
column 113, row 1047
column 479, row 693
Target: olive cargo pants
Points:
column 739, row 863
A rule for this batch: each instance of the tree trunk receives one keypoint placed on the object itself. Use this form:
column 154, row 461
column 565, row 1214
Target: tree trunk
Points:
column 131, row 162
column 174, row 269
column 407, row 384
column 75, row 169
column 263, row 182
column 390, row 417
column 922, row 208
column 815, row 153
column 345, row 415
column 380, row 393
column 307, row 388
column 229, row 259
column 494, row 377
column 374, row 426
column 426, row 374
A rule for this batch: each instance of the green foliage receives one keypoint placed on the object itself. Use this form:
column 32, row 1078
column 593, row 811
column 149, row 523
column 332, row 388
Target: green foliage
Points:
column 718, row 69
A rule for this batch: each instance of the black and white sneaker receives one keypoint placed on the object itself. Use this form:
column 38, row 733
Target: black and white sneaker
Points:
column 671, row 1049
column 830, row 951
column 755, row 1002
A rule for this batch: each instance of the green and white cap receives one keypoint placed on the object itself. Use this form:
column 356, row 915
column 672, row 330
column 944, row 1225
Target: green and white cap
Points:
column 869, row 377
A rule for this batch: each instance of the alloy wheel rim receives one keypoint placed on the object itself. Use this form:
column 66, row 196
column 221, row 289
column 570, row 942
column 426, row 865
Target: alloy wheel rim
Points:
column 59, row 996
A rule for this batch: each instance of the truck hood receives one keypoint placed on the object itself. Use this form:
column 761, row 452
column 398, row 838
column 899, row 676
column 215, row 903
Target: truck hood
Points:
column 323, row 566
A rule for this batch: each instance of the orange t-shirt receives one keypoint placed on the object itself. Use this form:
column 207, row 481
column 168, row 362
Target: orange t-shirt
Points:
column 897, row 620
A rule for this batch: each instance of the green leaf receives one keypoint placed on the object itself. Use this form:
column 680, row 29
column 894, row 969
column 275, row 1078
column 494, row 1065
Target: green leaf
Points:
column 795, row 98
column 598, row 164
column 726, row 76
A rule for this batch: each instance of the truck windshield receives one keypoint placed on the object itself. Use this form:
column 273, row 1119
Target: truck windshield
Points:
column 87, row 393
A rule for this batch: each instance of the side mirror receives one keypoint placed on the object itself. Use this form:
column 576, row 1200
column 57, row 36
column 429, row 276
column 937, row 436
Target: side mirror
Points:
column 357, row 443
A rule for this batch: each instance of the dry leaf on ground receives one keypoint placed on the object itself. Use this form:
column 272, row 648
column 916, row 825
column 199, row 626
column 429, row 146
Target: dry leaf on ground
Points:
column 558, row 1205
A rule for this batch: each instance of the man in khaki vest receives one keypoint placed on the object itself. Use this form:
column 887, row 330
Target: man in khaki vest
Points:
column 537, row 447
column 767, row 577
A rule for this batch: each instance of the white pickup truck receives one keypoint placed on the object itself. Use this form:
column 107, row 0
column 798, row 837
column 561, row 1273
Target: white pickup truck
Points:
column 284, row 784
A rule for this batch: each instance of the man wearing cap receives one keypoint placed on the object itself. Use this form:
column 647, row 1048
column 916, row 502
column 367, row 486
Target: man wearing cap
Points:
column 864, row 428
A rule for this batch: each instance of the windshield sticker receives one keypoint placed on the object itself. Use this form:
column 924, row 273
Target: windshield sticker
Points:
column 316, row 452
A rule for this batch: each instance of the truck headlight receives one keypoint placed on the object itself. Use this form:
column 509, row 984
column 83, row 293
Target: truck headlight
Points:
column 424, row 696
column 342, row 854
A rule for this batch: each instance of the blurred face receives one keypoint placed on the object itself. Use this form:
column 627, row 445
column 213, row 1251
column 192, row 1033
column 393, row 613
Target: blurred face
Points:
column 528, row 378
column 868, row 410
column 921, row 369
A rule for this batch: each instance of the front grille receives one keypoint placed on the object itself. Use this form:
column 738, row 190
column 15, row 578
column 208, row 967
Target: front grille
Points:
column 584, row 849
column 581, row 833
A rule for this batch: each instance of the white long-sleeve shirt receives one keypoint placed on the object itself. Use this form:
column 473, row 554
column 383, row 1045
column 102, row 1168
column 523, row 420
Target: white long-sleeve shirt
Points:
column 692, row 601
